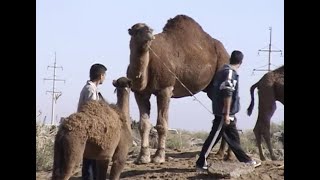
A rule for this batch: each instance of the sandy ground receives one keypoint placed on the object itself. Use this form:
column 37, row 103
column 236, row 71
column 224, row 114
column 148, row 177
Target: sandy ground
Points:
column 181, row 165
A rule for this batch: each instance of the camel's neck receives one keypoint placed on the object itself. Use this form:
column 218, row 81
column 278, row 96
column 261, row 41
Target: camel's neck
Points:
column 138, row 68
column 123, row 103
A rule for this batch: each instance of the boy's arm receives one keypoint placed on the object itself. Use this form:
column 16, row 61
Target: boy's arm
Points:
column 226, row 109
column 227, row 87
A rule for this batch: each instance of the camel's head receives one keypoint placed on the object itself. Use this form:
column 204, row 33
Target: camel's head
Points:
column 141, row 32
column 122, row 83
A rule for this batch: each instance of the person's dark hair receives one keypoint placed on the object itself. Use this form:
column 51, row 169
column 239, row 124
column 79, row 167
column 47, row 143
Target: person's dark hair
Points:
column 236, row 57
column 96, row 70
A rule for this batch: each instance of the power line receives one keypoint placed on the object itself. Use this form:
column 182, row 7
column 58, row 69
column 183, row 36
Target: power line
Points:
column 55, row 94
column 269, row 50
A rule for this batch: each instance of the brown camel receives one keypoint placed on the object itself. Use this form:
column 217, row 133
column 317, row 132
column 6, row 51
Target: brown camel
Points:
column 182, row 52
column 270, row 90
column 99, row 131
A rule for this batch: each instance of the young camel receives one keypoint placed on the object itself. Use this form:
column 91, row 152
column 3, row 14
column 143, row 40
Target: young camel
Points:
column 100, row 131
column 270, row 90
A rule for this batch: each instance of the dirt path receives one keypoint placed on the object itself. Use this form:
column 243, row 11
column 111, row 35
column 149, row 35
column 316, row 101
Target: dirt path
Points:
column 180, row 165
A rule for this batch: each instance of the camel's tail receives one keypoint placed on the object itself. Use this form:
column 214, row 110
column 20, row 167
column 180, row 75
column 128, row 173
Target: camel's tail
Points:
column 250, row 108
column 57, row 158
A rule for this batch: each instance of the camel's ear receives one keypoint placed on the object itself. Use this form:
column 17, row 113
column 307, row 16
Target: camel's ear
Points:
column 114, row 83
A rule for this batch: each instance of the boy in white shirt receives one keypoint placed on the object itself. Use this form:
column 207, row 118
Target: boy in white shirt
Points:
column 90, row 92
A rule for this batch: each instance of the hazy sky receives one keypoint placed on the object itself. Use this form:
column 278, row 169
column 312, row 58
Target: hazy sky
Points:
column 84, row 32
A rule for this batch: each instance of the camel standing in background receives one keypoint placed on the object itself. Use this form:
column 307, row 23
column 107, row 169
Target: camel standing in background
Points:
column 270, row 88
column 100, row 131
column 183, row 50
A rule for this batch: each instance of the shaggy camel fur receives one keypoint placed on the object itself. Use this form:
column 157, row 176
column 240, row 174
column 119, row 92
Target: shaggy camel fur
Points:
column 183, row 50
column 270, row 88
column 98, row 131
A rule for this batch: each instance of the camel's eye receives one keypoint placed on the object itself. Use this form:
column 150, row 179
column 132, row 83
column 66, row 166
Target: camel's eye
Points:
column 146, row 30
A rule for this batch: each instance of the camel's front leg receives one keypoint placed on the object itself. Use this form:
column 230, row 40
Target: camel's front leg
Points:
column 144, row 127
column 220, row 153
column 163, row 100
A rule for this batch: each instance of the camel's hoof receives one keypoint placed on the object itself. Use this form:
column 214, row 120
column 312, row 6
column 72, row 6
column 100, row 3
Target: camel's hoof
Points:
column 229, row 157
column 262, row 158
column 144, row 157
column 142, row 160
column 220, row 155
column 159, row 156
column 273, row 158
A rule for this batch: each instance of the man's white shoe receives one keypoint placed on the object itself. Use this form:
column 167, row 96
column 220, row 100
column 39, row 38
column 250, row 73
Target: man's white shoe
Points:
column 202, row 169
column 254, row 163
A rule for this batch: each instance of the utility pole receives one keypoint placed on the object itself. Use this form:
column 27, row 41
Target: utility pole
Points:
column 269, row 50
column 55, row 94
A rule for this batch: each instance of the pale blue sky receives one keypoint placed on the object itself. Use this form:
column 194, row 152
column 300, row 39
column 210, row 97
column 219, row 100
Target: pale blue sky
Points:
column 84, row 32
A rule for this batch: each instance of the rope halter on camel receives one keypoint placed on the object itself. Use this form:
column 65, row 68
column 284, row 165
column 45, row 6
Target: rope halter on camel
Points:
column 195, row 98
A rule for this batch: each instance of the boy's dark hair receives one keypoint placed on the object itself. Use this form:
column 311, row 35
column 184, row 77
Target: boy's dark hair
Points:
column 236, row 57
column 96, row 70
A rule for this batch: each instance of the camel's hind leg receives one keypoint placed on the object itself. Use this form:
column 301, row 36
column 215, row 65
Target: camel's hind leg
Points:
column 117, row 167
column 120, row 156
column 73, row 152
column 266, row 132
column 258, row 135
column 267, row 106
column 163, row 100
column 220, row 153
column 68, row 171
column 58, row 156
column 230, row 154
column 144, row 127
